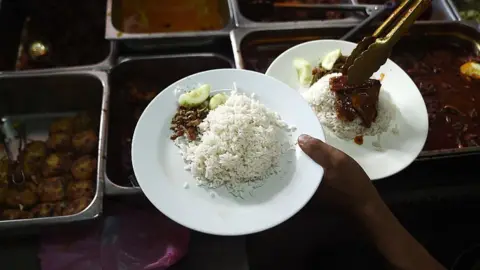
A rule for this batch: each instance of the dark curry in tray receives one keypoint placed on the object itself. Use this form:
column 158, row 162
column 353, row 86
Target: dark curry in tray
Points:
column 452, row 99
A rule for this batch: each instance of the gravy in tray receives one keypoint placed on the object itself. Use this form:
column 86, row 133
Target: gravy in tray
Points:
column 452, row 99
column 154, row 16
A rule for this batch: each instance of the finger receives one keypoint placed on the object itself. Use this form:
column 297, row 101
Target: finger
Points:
column 317, row 150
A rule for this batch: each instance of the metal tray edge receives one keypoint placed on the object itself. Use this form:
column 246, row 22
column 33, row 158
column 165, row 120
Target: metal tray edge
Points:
column 449, row 10
column 94, row 209
column 448, row 153
column 237, row 35
column 454, row 9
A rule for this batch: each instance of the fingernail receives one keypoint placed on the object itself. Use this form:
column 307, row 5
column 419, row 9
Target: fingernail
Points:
column 304, row 139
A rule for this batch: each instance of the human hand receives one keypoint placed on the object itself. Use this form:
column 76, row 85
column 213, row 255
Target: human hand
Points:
column 344, row 183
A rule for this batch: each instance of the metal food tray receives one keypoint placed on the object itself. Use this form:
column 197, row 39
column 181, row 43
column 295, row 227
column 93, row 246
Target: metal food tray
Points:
column 250, row 45
column 12, row 18
column 154, row 72
column 242, row 20
column 148, row 41
column 40, row 97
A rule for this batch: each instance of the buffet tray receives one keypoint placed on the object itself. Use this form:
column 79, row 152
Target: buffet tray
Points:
column 441, row 11
column 255, row 49
column 41, row 96
column 149, row 41
column 150, row 74
column 13, row 17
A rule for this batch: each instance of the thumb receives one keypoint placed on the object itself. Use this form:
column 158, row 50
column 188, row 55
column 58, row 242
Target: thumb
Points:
column 317, row 150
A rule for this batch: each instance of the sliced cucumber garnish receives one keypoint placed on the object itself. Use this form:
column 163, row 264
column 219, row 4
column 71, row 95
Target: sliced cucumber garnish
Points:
column 195, row 97
column 304, row 71
column 330, row 59
column 217, row 100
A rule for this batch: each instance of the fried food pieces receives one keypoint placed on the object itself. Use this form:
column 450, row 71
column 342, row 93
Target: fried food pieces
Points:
column 60, row 173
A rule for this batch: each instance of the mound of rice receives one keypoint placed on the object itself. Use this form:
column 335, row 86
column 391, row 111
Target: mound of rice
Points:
column 241, row 141
column 322, row 101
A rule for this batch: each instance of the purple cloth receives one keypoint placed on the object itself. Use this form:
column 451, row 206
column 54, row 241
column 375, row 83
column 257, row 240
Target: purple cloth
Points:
column 130, row 239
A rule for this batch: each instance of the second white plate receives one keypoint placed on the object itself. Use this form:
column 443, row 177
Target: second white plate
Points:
column 411, row 117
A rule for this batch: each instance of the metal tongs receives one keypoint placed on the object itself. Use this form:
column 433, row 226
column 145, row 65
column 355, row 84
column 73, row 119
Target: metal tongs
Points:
column 373, row 51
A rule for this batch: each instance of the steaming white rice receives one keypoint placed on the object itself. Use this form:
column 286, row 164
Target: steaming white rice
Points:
column 241, row 141
column 322, row 101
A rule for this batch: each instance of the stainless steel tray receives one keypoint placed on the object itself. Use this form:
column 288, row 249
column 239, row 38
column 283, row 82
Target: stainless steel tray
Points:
column 255, row 49
column 150, row 73
column 13, row 15
column 45, row 95
column 146, row 41
column 243, row 20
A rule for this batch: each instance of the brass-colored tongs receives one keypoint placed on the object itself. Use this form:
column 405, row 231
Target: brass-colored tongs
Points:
column 373, row 51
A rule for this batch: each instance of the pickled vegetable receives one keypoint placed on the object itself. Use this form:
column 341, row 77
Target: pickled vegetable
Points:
column 304, row 71
column 217, row 100
column 195, row 97
column 330, row 59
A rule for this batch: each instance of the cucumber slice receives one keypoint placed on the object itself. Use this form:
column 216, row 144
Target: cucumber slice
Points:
column 330, row 59
column 217, row 100
column 195, row 97
column 304, row 71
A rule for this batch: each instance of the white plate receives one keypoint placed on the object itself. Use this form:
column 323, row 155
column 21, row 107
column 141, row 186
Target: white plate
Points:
column 159, row 167
column 411, row 115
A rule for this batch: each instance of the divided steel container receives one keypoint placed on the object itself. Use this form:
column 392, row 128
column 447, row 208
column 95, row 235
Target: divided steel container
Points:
column 43, row 94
